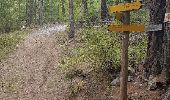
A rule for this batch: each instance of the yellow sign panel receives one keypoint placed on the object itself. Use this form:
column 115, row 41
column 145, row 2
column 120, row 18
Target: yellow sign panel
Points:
column 129, row 28
column 125, row 7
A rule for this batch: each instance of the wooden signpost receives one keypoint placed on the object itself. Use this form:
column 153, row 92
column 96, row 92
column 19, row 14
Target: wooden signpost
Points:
column 123, row 14
column 126, row 28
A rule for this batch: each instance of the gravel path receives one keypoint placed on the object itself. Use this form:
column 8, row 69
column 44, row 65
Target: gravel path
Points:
column 32, row 72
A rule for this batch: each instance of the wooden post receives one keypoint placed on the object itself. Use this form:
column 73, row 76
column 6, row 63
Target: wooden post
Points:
column 124, row 58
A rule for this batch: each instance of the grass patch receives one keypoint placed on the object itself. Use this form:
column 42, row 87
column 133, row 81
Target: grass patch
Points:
column 8, row 42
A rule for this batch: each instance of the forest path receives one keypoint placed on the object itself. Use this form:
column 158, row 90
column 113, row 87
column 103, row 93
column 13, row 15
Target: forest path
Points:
column 32, row 72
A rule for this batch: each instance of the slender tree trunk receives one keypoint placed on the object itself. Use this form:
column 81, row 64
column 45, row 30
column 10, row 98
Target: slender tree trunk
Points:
column 19, row 13
column 58, row 11
column 51, row 10
column 104, row 11
column 85, row 8
column 35, row 12
column 19, row 8
column 71, row 17
column 154, row 61
column 31, row 7
column 86, row 12
column 167, row 46
column 26, row 8
column 63, row 7
column 29, row 12
column 40, row 4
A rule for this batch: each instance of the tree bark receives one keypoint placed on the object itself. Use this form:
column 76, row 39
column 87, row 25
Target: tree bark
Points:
column 40, row 4
column 29, row 12
column 71, row 17
column 19, row 8
column 85, row 8
column 51, row 10
column 153, row 65
column 104, row 11
column 35, row 12
column 63, row 7
column 167, row 46
column 58, row 11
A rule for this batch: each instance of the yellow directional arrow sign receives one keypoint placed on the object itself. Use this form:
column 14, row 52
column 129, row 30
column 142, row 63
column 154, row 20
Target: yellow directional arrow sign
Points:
column 129, row 28
column 125, row 7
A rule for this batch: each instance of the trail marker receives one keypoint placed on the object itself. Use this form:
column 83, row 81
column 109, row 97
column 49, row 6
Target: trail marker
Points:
column 167, row 17
column 125, row 7
column 154, row 27
column 129, row 28
column 126, row 28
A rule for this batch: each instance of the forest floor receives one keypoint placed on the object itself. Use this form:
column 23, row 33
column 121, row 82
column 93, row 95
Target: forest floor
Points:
column 31, row 72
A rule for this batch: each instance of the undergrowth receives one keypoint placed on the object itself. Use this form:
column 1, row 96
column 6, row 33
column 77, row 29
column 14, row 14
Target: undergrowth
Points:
column 101, row 49
column 94, row 56
column 8, row 42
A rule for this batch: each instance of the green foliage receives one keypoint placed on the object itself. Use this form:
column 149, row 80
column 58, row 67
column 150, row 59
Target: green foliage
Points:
column 96, row 46
column 101, row 47
column 10, row 15
column 137, row 48
column 9, row 41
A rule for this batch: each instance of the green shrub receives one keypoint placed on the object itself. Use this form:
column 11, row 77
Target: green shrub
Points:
column 8, row 41
column 96, row 46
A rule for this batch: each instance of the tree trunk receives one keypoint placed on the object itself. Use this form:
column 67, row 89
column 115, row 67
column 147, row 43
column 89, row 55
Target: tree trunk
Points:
column 154, row 60
column 40, row 20
column 29, row 12
column 71, row 17
column 19, row 9
column 85, row 8
column 51, row 10
column 63, row 7
column 104, row 11
column 167, row 46
column 19, row 13
column 26, row 8
column 167, row 52
column 58, row 11
column 35, row 12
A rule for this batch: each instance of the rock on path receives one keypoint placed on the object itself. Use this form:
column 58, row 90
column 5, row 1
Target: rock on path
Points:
column 32, row 72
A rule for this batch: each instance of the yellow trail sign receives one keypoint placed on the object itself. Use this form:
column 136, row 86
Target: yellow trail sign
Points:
column 125, row 7
column 129, row 28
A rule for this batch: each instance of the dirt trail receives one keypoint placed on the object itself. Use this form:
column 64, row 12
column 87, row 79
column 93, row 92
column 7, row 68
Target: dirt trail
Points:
column 32, row 72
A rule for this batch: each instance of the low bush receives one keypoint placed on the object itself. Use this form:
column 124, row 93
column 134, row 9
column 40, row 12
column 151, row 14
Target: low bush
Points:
column 8, row 41
column 102, row 50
